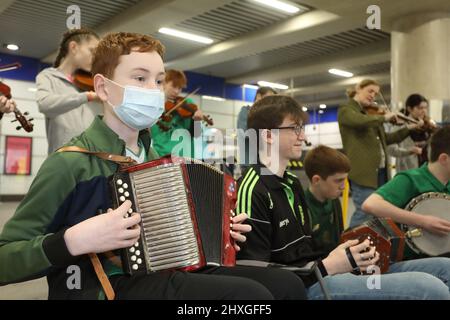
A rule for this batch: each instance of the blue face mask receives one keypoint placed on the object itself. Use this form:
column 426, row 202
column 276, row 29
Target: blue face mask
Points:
column 140, row 108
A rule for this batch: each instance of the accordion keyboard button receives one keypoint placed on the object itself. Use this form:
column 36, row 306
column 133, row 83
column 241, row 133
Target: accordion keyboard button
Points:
column 125, row 186
column 136, row 244
column 127, row 194
column 132, row 249
column 135, row 266
column 119, row 182
column 120, row 190
column 133, row 258
column 139, row 261
column 122, row 199
column 130, row 211
column 138, row 253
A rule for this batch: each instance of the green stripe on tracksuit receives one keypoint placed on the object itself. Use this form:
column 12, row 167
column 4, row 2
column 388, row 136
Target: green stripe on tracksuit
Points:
column 244, row 203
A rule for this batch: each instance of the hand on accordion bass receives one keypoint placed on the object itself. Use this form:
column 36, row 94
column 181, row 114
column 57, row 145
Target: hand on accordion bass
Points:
column 113, row 230
column 237, row 229
column 364, row 255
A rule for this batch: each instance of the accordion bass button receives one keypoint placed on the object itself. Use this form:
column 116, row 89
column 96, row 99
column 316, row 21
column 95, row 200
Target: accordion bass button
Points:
column 132, row 250
column 119, row 182
column 138, row 253
column 135, row 266
column 127, row 194
column 120, row 190
column 139, row 261
column 130, row 211
column 136, row 244
column 133, row 258
column 125, row 186
column 122, row 199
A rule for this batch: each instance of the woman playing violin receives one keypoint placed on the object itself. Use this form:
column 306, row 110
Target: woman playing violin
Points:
column 67, row 107
column 412, row 152
column 364, row 140
column 174, row 82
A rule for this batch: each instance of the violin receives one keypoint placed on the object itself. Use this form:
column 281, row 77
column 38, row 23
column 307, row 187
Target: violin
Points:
column 183, row 108
column 374, row 109
column 429, row 126
column 24, row 122
column 83, row 80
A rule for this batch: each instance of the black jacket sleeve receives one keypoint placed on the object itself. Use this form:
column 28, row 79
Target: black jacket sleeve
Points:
column 258, row 244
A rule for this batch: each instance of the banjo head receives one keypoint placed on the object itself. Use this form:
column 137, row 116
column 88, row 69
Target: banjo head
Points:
column 430, row 204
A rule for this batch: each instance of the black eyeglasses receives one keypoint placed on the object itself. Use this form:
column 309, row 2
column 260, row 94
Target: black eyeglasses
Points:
column 298, row 129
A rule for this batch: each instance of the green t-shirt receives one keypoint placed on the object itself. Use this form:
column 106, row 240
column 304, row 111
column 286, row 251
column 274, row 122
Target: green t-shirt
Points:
column 407, row 185
column 326, row 220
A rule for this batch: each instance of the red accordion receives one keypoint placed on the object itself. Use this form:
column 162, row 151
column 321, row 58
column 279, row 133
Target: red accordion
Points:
column 185, row 206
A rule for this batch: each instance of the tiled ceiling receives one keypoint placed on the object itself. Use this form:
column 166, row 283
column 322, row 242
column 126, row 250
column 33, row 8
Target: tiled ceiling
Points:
column 222, row 23
column 233, row 19
column 314, row 48
column 37, row 26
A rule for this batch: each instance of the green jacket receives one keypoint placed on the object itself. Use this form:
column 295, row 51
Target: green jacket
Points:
column 360, row 135
column 70, row 187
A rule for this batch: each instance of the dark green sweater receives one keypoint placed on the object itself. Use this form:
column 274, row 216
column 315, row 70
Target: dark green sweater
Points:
column 70, row 187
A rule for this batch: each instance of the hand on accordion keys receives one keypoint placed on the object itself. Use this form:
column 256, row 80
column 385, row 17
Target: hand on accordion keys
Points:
column 340, row 259
column 237, row 229
column 104, row 232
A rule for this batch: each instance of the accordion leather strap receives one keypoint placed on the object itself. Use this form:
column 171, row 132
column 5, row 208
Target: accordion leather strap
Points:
column 102, row 277
column 121, row 160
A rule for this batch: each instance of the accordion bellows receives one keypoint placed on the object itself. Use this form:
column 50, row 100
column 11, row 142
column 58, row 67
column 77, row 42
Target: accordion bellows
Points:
column 185, row 208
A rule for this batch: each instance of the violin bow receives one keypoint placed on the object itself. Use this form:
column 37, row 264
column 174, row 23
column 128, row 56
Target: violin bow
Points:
column 399, row 114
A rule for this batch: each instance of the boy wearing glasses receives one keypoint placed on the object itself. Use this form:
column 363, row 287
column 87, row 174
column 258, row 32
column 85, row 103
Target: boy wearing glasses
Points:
column 281, row 227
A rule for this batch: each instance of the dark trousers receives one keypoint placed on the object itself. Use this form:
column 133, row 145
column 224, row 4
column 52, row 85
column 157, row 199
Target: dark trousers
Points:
column 217, row 283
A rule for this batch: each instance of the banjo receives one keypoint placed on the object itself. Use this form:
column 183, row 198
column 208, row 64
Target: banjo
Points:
column 434, row 204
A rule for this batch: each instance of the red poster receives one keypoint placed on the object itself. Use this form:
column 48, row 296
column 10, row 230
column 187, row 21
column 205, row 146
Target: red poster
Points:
column 18, row 155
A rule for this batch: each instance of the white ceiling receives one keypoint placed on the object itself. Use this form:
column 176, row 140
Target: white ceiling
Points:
column 251, row 42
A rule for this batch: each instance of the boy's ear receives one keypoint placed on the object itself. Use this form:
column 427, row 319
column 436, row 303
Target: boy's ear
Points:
column 266, row 136
column 443, row 158
column 100, row 88
column 315, row 179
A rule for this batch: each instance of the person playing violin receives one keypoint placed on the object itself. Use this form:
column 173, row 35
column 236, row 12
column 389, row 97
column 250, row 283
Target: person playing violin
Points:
column 412, row 152
column 364, row 141
column 66, row 107
column 6, row 105
column 162, row 132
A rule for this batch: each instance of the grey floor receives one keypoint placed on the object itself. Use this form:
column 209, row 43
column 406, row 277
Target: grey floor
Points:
column 35, row 289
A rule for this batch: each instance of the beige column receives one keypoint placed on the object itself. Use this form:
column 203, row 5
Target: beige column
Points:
column 420, row 59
